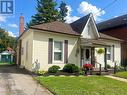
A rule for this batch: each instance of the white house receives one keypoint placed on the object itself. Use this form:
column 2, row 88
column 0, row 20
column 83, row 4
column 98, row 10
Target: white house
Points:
column 58, row 43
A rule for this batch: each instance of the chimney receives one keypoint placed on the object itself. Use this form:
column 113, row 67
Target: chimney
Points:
column 21, row 25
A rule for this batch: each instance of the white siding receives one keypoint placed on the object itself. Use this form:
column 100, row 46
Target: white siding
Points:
column 27, row 62
column 40, row 48
column 89, row 31
column 117, row 53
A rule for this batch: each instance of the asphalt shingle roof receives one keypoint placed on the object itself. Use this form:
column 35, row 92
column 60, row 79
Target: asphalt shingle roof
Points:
column 74, row 28
column 57, row 27
column 79, row 24
column 104, row 36
column 112, row 23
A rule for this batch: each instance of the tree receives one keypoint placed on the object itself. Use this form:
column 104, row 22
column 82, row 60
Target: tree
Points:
column 6, row 40
column 63, row 11
column 47, row 12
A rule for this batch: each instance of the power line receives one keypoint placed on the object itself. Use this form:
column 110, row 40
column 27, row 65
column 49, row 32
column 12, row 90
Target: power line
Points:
column 106, row 6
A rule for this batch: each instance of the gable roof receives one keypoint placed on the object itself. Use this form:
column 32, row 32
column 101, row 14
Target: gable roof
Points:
column 112, row 23
column 79, row 24
column 75, row 28
column 57, row 27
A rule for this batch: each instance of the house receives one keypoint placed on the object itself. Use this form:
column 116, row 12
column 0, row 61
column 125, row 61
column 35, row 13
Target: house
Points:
column 7, row 56
column 58, row 43
column 117, row 27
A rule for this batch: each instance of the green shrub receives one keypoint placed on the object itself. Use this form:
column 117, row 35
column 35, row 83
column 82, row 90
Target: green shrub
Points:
column 120, row 68
column 108, row 66
column 81, row 72
column 70, row 68
column 41, row 72
column 54, row 69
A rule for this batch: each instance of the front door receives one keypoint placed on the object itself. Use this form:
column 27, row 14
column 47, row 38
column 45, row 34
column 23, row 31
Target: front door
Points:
column 87, row 56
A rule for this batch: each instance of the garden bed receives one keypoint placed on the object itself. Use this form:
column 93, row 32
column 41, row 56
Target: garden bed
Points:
column 61, row 73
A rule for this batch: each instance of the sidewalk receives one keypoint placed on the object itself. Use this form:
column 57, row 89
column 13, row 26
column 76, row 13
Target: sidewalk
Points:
column 117, row 78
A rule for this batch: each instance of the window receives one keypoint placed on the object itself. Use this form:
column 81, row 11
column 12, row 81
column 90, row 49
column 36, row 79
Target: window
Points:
column 58, row 51
column 109, row 53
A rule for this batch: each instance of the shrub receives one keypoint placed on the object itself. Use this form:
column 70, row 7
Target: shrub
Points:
column 41, row 72
column 70, row 68
column 81, row 72
column 54, row 69
column 108, row 66
column 120, row 68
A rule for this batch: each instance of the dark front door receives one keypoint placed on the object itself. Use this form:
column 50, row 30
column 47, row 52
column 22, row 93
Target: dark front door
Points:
column 87, row 55
column 93, row 56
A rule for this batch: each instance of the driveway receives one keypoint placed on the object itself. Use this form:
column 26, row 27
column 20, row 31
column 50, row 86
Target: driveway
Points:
column 15, row 81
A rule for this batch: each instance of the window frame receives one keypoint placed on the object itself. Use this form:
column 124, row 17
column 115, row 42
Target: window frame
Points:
column 58, row 61
column 109, row 53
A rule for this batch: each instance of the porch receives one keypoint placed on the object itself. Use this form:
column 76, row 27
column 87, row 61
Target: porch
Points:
column 90, row 54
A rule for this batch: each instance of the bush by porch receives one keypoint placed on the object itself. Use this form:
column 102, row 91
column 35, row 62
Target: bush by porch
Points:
column 72, row 69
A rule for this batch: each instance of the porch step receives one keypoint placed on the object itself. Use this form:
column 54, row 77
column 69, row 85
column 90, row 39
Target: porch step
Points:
column 96, row 71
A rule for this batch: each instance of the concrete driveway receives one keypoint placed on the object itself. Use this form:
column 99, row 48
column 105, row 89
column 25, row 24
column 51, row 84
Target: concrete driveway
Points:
column 15, row 81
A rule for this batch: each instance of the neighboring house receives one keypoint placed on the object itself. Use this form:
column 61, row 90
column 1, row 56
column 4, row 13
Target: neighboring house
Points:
column 117, row 27
column 7, row 56
column 58, row 43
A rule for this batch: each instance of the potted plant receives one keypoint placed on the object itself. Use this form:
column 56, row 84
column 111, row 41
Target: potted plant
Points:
column 88, row 68
column 100, row 51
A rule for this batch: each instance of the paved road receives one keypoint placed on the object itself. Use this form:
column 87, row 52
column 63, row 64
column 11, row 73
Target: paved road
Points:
column 15, row 81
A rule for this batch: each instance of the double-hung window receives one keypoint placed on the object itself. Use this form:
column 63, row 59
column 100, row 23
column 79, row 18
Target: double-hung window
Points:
column 109, row 53
column 58, row 51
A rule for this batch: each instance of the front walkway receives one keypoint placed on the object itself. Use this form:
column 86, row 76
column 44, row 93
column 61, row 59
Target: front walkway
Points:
column 15, row 81
column 116, row 78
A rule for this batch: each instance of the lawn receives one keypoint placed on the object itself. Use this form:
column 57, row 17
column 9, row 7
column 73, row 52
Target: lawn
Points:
column 93, row 85
column 121, row 74
column 2, row 63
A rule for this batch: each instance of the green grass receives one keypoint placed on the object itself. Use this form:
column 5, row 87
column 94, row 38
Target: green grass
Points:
column 94, row 85
column 121, row 74
column 2, row 64
column 5, row 63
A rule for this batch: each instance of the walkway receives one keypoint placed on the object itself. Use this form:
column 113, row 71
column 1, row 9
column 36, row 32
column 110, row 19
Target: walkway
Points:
column 15, row 81
column 116, row 78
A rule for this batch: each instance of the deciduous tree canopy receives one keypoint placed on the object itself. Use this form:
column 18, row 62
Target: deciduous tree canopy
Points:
column 6, row 40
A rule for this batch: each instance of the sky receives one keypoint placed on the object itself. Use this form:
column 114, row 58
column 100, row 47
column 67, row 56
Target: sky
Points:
column 76, row 10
